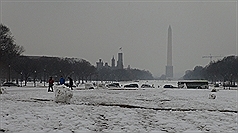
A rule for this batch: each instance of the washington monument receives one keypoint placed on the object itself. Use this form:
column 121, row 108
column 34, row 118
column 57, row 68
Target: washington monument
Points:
column 169, row 67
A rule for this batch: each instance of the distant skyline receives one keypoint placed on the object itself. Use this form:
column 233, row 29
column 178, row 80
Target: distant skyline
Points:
column 98, row 29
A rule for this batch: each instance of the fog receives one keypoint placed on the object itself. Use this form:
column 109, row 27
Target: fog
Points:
column 97, row 29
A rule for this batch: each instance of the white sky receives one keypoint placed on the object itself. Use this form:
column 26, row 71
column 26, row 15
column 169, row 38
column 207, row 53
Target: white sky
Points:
column 93, row 30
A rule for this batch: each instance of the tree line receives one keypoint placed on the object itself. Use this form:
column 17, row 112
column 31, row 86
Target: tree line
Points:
column 15, row 66
column 224, row 70
column 40, row 68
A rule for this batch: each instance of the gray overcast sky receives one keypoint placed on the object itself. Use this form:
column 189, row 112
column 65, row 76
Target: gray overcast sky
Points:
column 93, row 30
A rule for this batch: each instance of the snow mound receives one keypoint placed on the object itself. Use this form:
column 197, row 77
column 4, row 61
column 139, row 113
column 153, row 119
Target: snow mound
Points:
column 3, row 90
column 212, row 95
column 63, row 94
column 102, row 86
column 89, row 86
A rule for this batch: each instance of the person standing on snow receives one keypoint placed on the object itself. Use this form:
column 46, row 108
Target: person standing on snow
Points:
column 51, row 83
column 62, row 80
column 70, row 83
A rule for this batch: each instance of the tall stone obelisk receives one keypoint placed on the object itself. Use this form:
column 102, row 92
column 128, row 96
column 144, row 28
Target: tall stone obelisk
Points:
column 169, row 67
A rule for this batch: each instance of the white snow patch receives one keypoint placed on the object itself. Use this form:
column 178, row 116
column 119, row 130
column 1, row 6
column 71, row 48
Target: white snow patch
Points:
column 33, row 110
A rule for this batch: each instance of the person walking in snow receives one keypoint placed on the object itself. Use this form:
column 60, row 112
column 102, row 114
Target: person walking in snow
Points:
column 51, row 83
column 70, row 83
column 62, row 80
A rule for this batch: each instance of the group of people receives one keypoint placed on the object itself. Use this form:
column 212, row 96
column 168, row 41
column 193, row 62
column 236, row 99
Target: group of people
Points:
column 62, row 82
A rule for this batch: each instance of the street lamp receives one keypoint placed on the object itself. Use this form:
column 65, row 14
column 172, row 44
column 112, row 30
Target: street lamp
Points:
column 9, row 72
column 35, row 80
column 21, row 79
column 44, row 77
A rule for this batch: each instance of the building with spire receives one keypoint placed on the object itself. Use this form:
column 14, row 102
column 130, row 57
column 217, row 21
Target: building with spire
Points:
column 119, row 65
column 113, row 63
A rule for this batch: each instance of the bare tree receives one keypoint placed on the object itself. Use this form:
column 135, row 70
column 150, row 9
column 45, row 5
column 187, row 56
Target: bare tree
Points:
column 8, row 49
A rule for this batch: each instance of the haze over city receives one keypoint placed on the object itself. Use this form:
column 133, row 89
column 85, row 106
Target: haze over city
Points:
column 97, row 29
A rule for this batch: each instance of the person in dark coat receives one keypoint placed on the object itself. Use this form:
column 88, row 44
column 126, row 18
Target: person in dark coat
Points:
column 51, row 83
column 70, row 83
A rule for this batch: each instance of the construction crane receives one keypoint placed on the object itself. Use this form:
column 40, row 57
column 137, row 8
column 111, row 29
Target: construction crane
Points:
column 211, row 56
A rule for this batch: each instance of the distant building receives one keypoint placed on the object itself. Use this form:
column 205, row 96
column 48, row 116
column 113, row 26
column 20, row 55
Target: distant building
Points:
column 120, row 61
column 113, row 66
column 99, row 64
column 128, row 67
column 106, row 65
column 113, row 62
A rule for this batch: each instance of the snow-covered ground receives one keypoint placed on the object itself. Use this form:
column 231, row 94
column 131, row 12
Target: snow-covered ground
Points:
column 155, row 110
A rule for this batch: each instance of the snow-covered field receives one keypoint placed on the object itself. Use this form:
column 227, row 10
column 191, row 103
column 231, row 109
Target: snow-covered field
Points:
column 155, row 110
